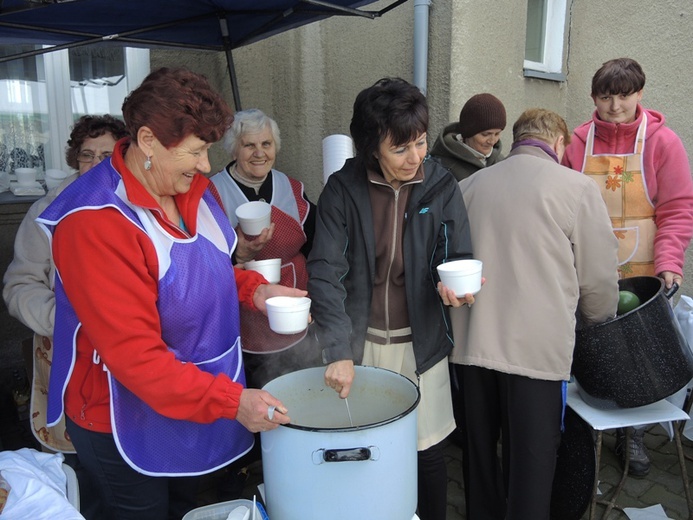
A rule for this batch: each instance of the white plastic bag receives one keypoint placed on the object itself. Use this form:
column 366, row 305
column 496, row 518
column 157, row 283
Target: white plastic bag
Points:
column 684, row 315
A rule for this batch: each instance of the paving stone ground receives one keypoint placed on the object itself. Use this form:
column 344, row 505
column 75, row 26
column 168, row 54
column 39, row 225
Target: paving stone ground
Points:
column 663, row 485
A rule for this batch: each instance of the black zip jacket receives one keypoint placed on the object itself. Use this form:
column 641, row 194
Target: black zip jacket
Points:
column 341, row 264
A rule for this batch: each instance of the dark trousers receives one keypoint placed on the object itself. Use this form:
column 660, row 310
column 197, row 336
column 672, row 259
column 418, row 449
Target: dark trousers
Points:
column 126, row 494
column 90, row 505
column 432, row 483
column 525, row 414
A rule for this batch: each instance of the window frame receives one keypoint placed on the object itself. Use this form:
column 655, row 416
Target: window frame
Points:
column 56, row 71
column 551, row 67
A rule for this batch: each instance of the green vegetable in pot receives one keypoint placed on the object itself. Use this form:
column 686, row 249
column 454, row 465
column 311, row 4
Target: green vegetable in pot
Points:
column 627, row 301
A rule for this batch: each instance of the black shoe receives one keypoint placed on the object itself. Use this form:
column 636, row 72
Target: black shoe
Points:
column 639, row 464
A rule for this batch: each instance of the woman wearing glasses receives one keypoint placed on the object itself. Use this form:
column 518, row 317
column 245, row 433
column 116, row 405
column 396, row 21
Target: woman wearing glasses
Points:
column 28, row 290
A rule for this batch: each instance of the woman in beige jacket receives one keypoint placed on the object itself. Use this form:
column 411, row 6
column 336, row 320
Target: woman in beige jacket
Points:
column 544, row 236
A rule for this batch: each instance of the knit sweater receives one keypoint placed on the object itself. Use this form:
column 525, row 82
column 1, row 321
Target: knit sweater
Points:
column 28, row 290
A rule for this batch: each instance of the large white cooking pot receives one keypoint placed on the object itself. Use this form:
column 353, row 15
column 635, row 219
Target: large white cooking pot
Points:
column 320, row 467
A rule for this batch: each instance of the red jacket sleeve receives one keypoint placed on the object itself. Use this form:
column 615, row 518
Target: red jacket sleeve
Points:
column 109, row 270
column 247, row 283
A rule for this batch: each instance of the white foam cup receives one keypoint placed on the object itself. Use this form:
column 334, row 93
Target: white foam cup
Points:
column 54, row 177
column 288, row 314
column 271, row 268
column 253, row 217
column 462, row 276
column 25, row 176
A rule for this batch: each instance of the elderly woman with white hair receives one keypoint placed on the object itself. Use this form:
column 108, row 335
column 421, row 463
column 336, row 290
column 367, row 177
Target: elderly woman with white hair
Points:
column 253, row 142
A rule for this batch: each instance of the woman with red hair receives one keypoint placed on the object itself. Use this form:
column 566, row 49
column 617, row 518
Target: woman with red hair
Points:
column 147, row 366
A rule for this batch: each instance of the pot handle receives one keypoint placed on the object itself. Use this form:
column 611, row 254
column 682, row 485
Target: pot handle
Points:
column 672, row 291
column 346, row 455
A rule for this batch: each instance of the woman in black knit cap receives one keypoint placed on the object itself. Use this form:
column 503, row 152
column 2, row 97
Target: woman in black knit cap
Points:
column 473, row 143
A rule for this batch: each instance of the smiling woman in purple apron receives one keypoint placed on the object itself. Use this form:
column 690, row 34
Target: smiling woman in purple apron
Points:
column 642, row 170
column 147, row 366
column 253, row 142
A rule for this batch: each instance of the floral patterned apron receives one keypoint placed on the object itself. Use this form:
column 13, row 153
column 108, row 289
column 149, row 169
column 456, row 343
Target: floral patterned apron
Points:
column 621, row 180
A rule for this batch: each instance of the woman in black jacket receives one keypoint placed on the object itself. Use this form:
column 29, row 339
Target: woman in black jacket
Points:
column 384, row 222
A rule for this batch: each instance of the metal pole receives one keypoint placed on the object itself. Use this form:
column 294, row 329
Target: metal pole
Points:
column 223, row 25
column 421, row 8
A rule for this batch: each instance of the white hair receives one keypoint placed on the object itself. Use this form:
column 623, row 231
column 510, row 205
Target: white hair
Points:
column 251, row 121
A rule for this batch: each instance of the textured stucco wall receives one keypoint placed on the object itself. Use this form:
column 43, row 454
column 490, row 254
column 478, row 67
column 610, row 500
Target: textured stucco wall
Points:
column 307, row 78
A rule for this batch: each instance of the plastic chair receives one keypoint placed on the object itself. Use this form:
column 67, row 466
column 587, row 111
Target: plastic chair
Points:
column 72, row 491
column 683, row 457
column 600, row 420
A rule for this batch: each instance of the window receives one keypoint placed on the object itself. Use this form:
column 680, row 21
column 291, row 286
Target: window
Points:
column 41, row 96
column 544, row 38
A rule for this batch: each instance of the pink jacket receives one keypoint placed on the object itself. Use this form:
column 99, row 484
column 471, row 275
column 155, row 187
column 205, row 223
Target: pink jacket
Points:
column 667, row 175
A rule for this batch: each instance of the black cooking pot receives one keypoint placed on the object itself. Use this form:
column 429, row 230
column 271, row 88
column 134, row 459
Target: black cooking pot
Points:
column 639, row 357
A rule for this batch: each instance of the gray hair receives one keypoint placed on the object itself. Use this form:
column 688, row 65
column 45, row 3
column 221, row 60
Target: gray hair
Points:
column 542, row 124
column 251, row 121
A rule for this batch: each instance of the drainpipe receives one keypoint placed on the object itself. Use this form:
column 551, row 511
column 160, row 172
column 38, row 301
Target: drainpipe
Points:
column 421, row 8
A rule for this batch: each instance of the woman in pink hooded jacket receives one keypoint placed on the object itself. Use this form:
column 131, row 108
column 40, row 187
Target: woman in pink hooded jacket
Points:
column 643, row 172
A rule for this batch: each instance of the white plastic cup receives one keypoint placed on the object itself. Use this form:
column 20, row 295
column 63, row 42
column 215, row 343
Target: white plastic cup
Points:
column 25, row 176
column 271, row 268
column 288, row 314
column 336, row 149
column 253, row 217
column 462, row 276
column 54, row 177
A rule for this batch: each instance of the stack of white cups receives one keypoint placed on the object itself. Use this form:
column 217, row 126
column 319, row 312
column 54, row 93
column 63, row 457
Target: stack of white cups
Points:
column 336, row 149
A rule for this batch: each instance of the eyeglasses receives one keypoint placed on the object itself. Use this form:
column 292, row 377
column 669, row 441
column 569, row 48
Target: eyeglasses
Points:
column 88, row 157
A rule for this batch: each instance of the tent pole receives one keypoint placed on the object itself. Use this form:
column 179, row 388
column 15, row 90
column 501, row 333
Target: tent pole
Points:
column 234, row 82
column 224, row 27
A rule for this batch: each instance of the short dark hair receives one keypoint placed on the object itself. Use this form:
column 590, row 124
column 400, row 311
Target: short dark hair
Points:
column 176, row 103
column 91, row 127
column 391, row 107
column 618, row 76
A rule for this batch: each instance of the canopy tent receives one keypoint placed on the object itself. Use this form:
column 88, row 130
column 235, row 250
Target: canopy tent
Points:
column 220, row 25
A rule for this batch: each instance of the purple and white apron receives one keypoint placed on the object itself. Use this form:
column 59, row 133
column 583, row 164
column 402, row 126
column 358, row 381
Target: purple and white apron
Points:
column 206, row 333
